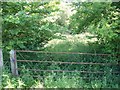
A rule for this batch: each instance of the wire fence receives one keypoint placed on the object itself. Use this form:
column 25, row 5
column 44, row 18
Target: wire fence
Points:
column 40, row 63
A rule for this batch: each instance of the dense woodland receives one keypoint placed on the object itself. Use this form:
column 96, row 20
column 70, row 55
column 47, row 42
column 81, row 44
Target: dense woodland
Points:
column 56, row 26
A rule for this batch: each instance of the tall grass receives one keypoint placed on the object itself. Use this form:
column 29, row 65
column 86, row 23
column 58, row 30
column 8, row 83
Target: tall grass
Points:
column 53, row 80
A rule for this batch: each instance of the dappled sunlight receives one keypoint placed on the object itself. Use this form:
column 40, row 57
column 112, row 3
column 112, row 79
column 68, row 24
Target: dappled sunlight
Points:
column 64, row 13
column 53, row 42
column 83, row 38
column 71, row 42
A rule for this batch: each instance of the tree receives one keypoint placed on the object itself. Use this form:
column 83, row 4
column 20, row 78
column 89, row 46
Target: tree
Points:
column 99, row 18
column 24, row 26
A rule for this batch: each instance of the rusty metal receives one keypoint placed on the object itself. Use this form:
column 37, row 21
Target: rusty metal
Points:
column 68, row 53
column 60, row 62
column 83, row 63
column 99, row 72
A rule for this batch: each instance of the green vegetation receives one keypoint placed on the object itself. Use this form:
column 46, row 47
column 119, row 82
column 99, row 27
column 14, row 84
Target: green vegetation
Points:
column 101, row 19
column 56, row 26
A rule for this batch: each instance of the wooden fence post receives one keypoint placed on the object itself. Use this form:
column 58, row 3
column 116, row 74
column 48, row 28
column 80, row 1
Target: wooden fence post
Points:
column 1, row 66
column 13, row 62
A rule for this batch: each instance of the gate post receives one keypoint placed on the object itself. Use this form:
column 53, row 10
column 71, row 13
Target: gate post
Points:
column 13, row 62
column 1, row 66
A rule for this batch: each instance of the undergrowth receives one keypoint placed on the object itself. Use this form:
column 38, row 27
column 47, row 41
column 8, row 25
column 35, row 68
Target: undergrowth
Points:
column 58, row 80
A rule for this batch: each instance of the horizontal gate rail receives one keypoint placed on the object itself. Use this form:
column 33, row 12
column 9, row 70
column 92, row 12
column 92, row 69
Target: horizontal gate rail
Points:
column 84, row 63
column 99, row 72
column 67, row 62
column 68, row 53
